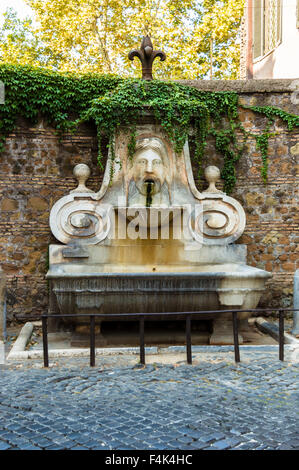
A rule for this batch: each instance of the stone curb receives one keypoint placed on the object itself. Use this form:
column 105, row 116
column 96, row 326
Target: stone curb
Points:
column 18, row 350
column 271, row 329
column 83, row 352
column 76, row 352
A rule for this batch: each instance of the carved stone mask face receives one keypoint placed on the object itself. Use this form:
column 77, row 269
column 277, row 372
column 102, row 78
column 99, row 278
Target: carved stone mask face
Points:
column 148, row 170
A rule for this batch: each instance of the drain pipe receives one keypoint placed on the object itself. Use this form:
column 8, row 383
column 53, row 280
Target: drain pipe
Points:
column 149, row 192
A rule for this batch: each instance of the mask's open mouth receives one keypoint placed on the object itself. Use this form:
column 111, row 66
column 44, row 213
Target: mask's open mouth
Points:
column 148, row 185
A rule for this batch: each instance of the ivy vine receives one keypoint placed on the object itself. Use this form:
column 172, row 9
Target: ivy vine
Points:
column 111, row 102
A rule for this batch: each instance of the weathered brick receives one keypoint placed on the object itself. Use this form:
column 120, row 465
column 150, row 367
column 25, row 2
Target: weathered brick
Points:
column 9, row 204
column 288, row 266
column 37, row 203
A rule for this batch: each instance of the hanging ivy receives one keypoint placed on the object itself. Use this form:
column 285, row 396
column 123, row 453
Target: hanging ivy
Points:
column 111, row 102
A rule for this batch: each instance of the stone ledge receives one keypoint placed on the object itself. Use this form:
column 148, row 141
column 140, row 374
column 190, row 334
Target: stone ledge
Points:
column 241, row 86
column 271, row 329
column 22, row 340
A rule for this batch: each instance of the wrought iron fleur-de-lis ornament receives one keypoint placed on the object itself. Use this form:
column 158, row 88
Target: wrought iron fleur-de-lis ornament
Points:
column 146, row 55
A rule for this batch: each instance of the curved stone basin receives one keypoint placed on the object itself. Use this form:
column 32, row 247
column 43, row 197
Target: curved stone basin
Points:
column 141, row 289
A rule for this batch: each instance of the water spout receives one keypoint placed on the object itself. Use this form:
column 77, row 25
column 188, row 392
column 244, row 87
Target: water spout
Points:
column 149, row 191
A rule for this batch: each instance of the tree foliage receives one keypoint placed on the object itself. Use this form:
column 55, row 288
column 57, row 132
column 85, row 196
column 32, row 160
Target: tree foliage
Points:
column 198, row 36
column 20, row 42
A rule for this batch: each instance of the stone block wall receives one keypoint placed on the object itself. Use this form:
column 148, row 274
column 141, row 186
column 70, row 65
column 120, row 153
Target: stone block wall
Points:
column 36, row 170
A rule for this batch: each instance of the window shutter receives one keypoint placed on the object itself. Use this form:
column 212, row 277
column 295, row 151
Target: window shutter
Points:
column 272, row 24
column 279, row 20
column 258, row 28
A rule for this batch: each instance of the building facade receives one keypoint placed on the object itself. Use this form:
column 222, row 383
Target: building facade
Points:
column 272, row 39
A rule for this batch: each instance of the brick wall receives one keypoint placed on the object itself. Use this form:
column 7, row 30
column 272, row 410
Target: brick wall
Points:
column 36, row 170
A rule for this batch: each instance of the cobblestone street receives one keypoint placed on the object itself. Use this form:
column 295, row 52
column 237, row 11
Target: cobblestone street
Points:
column 213, row 404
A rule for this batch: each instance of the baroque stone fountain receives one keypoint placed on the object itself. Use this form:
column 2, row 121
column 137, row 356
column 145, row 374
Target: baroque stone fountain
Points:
column 149, row 241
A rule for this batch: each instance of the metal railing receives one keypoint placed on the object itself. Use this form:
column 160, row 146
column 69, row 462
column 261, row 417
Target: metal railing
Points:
column 200, row 315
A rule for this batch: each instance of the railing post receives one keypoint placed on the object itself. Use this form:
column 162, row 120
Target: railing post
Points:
column 45, row 340
column 141, row 340
column 236, row 339
column 92, row 341
column 188, row 339
column 281, row 335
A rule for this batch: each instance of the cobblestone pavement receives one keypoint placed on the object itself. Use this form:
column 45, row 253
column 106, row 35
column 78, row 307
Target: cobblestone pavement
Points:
column 214, row 404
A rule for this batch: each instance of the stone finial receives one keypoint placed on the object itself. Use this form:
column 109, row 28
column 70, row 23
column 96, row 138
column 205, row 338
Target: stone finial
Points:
column 212, row 175
column 146, row 55
column 81, row 172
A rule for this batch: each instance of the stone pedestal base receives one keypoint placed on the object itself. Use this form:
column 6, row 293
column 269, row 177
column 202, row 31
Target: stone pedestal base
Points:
column 243, row 326
column 85, row 329
column 223, row 332
column 81, row 337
